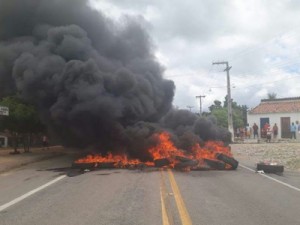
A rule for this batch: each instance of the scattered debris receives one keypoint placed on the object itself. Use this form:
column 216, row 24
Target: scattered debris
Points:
column 162, row 162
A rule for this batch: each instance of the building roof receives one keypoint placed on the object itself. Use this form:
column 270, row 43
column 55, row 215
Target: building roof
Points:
column 280, row 105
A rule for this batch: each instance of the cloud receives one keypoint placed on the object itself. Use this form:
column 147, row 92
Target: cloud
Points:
column 258, row 38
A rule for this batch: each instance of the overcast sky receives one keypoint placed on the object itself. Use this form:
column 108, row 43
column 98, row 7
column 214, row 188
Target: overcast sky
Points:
column 260, row 40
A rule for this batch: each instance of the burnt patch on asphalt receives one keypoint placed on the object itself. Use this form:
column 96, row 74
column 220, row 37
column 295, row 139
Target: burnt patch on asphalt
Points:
column 58, row 169
column 69, row 171
column 74, row 173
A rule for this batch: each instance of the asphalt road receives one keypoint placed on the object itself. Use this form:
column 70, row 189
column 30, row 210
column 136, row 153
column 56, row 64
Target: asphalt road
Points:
column 114, row 197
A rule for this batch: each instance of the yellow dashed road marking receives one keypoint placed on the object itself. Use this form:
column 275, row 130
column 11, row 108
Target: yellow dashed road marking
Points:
column 184, row 215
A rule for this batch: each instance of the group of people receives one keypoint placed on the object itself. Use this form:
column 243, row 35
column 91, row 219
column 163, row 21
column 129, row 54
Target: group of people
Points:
column 266, row 131
column 241, row 132
column 245, row 132
column 249, row 132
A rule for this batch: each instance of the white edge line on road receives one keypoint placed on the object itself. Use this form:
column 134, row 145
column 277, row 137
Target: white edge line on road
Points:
column 273, row 179
column 16, row 200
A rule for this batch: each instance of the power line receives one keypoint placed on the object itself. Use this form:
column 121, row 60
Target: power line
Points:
column 271, row 82
column 264, row 44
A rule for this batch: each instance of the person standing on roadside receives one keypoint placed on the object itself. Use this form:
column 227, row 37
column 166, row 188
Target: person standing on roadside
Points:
column 237, row 132
column 242, row 133
column 298, row 130
column 247, row 130
column 269, row 134
column 293, row 130
column 45, row 142
column 275, row 131
column 255, row 130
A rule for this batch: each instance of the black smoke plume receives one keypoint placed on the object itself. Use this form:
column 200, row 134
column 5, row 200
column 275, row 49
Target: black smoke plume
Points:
column 95, row 82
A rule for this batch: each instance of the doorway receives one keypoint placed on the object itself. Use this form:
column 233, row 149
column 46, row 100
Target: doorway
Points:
column 285, row 127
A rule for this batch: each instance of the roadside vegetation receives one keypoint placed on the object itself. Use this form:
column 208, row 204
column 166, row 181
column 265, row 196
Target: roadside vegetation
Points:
column 22, row 123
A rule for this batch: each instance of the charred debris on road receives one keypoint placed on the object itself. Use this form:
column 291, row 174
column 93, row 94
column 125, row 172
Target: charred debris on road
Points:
column 212, row 155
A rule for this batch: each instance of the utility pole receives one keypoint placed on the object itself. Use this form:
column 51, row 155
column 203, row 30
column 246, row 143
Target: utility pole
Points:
column 229, row 104
column 190, row 107
column 200, row 97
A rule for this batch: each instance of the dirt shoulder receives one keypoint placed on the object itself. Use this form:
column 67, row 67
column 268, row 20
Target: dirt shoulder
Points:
column 287, row 154
column 9, row 162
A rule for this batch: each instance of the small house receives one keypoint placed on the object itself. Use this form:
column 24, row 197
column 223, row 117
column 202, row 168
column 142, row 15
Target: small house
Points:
column 282, row 111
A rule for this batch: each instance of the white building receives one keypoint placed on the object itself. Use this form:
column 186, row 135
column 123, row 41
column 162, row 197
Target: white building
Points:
column 282, row 111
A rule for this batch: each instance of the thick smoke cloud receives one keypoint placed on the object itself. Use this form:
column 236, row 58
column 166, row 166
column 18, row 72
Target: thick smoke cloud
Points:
column 95, row 82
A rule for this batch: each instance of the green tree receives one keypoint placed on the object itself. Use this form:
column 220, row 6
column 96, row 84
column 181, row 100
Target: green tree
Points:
column 239, row 113
column 217, row 105
column 22, row 122
column 272, row 96
column 221, row 116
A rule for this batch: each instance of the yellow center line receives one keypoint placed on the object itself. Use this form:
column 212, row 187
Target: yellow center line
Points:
column 165, row 201
column 165, row 220
column 184, row 215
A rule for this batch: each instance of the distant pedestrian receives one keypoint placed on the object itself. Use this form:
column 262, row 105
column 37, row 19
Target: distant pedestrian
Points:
column 255, row 130
column 45, row 142
column 269, row 134
column 242, row 133
column 247, row 131
column 237, row 132
column 275, row 131
column 293, row 130
column 298, row 130
column 265, row 130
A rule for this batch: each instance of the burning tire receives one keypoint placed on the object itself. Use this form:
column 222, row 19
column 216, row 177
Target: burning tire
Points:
column 186, row 164
column 105, row 165
column 214, row 164
column 182, row 159
column 228, row 160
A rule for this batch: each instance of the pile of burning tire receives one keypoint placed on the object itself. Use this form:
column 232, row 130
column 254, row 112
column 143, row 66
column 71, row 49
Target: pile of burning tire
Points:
column 221, row 162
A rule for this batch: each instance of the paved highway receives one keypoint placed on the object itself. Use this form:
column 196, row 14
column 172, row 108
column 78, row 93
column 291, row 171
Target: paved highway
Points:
column 37, row 194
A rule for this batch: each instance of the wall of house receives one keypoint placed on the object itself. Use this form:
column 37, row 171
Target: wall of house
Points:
column 273, row 118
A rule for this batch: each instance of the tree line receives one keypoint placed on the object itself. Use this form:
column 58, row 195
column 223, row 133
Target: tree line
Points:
column 219, row 111
column 239, row 112
column 22, row 123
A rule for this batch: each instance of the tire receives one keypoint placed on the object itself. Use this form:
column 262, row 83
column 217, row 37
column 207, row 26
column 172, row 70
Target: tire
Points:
column 270, row 168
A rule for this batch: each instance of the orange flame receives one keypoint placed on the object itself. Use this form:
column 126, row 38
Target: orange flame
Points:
column 210, row 149
column 118, row 160
column 165, row 148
